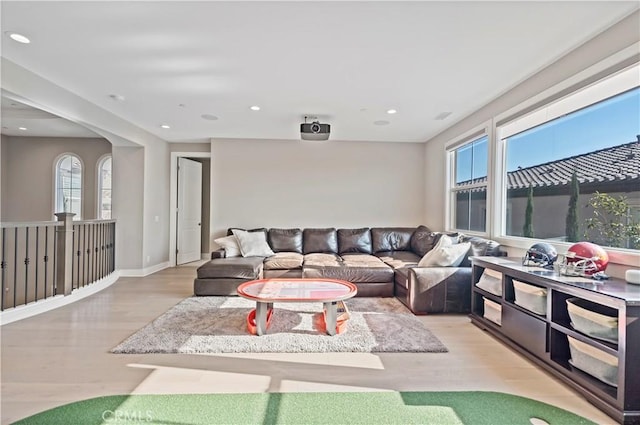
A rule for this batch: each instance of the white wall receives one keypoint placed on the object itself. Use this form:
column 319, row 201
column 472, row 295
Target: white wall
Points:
column 128, row 207
column 270, row 183
column 156, row 204
column 611, row 41
column 28, row 175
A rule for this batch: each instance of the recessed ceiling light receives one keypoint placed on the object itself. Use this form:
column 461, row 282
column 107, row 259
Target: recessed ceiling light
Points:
column 391, row 111
column 18, row 37
column 166, row 126
column 22, row 128
column 209, row 117
column 117, row 97
column 381, row 122
column 442, row 115
column 255, row 108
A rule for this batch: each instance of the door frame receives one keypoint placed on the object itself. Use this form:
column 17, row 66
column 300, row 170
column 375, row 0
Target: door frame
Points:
column 173, row 201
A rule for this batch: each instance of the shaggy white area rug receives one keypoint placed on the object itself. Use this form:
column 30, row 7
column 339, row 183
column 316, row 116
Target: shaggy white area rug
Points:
column 218, row 325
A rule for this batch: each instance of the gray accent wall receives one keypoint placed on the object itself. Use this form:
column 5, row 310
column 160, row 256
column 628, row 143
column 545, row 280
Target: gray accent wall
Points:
column 270, row 183
column 28, row 169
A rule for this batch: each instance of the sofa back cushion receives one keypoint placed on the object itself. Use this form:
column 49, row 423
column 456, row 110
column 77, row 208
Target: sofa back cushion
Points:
column 320, row 240
column 391, row 238
column 261, row 229
column 423, row 240
column 354, row 240
column 479, row 247
column 285, row 240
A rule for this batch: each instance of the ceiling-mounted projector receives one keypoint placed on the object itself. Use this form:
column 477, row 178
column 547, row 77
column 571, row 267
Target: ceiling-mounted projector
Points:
column 314, row 131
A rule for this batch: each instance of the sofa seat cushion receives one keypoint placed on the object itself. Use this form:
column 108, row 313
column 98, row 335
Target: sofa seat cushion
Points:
column 283, row 261
column 322, row 260
column 357, row 268
column 398, row 259
column 231, row 268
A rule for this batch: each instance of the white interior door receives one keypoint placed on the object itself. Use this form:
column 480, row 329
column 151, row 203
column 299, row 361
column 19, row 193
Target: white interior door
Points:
column 189, row 213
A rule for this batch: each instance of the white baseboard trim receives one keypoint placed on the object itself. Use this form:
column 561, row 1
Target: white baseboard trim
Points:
column 24, row 311
column 144, row 272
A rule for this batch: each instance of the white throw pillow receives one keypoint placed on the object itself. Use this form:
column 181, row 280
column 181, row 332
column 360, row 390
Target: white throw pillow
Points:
column 253, row 244
column 446, row 253
column 442, row 242
column 230, row 246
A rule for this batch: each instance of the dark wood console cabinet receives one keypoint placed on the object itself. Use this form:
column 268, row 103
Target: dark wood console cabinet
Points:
column 544, row 338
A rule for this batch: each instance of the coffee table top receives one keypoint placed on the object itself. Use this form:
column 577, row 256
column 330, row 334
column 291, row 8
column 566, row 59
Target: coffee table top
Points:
column 296, row 290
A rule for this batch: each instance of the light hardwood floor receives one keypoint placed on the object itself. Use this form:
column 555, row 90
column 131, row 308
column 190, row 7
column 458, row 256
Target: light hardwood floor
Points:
column 63, row 356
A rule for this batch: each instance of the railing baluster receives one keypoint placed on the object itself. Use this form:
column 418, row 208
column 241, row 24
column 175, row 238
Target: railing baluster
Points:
column 36, row 257
column 15, row 266
column 3, row 264
column 26, row 265
column 46, row 259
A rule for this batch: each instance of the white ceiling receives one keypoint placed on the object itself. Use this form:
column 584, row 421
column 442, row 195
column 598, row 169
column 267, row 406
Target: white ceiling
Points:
column 37, row 123
column 345, row 62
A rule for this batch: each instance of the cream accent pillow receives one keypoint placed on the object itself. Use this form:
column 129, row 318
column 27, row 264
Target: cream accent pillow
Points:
column 253, row 244
column 446, row 253
column 230, row 246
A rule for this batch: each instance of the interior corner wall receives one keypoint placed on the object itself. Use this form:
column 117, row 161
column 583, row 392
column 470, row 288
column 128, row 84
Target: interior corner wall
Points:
column 128, row 205
column 270, row 183
column 156, row 203
column 28, row 170
column 620, row 36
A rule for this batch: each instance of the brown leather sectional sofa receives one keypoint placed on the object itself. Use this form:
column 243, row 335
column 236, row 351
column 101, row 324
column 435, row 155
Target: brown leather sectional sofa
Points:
column 381, row 262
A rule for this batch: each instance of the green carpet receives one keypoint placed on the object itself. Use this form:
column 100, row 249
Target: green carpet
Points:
column 442, row 408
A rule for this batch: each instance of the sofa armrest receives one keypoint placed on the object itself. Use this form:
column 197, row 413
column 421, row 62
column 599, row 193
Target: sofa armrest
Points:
column 439, row 290
column 219, row 253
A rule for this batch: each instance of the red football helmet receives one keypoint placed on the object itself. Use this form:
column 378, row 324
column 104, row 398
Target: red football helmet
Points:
column 585, row 259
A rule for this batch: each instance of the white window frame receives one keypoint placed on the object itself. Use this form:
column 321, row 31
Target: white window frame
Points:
column 603, row 70
column 101, row 162
column 478, row 132
column 56, row 164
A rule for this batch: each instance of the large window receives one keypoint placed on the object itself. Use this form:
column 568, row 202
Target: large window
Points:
column 68, row 191
column 576, row 162
column 104, row 188
column 469, row 185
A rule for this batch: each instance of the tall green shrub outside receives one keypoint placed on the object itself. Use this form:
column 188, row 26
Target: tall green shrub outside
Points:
column 527, row 229
column 572, row 227
column 612, row 222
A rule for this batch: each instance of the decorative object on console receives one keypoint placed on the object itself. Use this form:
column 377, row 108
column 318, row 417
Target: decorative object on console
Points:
column 253, row 244
column 584, row 259
column 632, row 276
column 540, row 254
